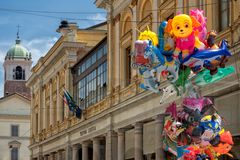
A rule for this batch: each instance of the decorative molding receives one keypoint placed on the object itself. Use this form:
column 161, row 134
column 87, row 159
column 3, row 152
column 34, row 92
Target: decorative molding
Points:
column 17, row 138
column 15, row 117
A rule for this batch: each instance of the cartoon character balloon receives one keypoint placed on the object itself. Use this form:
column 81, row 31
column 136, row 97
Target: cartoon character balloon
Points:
column 182, row 26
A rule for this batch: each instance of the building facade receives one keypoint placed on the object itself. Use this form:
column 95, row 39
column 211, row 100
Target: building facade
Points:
column 15, row 127
column 124, row 122
column 51, row 76
column 15, row 105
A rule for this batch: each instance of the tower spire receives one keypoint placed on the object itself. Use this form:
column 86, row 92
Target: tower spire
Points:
column 18, row 40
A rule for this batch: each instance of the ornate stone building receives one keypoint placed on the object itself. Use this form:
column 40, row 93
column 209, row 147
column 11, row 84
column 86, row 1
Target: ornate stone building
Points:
column 121, row 121
column 52, row 75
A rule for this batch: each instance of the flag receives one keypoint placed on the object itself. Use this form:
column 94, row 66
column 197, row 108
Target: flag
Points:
column 72, row 104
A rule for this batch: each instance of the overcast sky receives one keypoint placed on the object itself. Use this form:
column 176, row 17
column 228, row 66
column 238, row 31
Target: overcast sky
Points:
column 38, row 28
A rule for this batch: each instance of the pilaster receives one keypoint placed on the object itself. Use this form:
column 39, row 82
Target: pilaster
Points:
column 75, row 149
column 138, row 141
column 111, row 145
column 121, row 144
column 159, row 120
column 85, row 150
column 96, row 149
column 116, row 67
column 51, row 105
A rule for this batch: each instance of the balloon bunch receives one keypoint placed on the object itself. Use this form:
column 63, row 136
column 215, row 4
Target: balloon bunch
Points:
column 185, row 53
column 182, row 46
column 191, row 132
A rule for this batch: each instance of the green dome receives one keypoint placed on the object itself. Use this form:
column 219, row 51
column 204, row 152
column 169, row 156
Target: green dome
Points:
column 18, row 52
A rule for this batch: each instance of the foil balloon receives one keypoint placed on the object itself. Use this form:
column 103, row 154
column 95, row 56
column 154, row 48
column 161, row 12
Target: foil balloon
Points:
column 225, row 144
column 202, row 29
column 208, row 58
column 182, row 26
column 205, row 78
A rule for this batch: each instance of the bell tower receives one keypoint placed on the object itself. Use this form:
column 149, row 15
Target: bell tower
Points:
column 17, row 65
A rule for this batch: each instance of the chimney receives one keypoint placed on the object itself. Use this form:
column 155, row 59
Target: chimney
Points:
column 68, row 31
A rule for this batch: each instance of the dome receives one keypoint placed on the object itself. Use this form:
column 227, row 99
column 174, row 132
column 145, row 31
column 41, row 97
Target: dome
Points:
column 18, row 52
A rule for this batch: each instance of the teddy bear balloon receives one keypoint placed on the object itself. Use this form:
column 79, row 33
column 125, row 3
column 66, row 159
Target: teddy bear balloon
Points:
column 182, row 26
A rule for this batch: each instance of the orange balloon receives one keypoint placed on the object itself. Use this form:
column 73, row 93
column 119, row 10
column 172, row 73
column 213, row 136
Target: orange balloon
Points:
column 223, row 148
column 225, row 144
column 226, row 137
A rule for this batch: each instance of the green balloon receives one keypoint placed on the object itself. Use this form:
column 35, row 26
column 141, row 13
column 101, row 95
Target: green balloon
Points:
column 183, row 77
column 204, row 77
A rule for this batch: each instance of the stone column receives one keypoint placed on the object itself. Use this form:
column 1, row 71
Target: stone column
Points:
column 96, row 148
column 121, row 144
column 111, row 145
column 33, row 122
column 116, row 80
column 52, row 156
column 59, row 155
column 51, row 105
column 68, row 152
column 45, row 157
column 40, row 107
column 110, row 55
column 85, row 150
column 40, row 157
column 58, row 106
column 155, row 16
column 138, row 141
column 134, row 29
column 44, row 109
column 75, row 149
column 67, row 74
column 158, row 137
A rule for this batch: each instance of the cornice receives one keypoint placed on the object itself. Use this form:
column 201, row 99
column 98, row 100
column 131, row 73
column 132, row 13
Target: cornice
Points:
column 15, row 117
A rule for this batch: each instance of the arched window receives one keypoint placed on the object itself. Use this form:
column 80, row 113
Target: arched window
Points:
column 19, row 73
column 146, row 9
column 127, row 26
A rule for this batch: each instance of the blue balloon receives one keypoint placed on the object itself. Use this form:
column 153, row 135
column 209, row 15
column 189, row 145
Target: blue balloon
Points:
column 203, row 55
column 161, row 35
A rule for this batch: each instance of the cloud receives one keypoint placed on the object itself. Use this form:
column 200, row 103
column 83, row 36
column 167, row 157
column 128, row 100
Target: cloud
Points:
column 97, row 18
column 37, row 46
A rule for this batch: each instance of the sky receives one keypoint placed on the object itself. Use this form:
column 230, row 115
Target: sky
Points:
column 38, row 24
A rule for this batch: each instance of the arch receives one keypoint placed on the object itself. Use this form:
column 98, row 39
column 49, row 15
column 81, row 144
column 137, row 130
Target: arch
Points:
column 19, row 73
column 145, row 9
column 126, row 24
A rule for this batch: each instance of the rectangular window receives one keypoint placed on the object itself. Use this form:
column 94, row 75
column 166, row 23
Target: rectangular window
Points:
column 105, row 49
column 83, row 67
column 223, row 14
column 100, row 53
column 92, row 88
column 94, row 58
column 36, row 120
column 14, row 153
column 79, row 70
column 92, row 81
column 14, row 130
column 128, row 66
